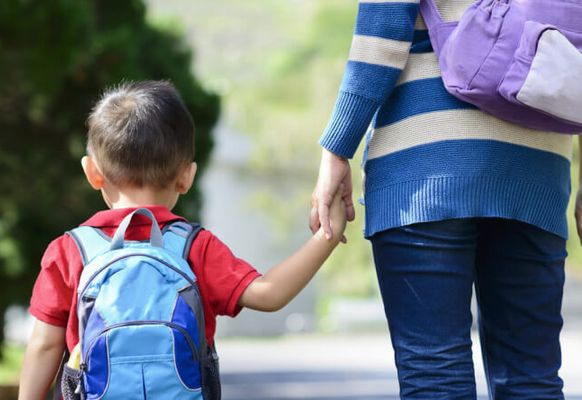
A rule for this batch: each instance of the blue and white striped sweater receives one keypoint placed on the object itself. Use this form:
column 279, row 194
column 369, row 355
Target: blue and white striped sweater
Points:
column 431, row 156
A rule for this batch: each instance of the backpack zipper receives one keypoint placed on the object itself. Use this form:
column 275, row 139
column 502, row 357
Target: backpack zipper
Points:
column 184, row 332
column 167, row 264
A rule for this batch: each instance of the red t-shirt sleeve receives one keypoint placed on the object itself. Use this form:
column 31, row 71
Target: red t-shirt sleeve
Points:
column 53, row 293
column 223, row 277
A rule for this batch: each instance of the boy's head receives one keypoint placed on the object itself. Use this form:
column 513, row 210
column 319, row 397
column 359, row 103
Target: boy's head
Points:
column 140, row 134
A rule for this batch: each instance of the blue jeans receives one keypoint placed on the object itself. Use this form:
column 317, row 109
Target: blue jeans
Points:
column 426, row 273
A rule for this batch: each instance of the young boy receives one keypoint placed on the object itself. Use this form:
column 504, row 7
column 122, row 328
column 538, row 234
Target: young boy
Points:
column 140, row 151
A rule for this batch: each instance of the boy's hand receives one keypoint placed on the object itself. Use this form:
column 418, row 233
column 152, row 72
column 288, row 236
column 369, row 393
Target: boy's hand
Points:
column 337, row 216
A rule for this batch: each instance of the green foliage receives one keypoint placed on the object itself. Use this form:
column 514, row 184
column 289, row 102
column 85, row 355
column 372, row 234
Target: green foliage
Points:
column 55, row 58
column 289, row 108
column 10, row 365
column 286, row 112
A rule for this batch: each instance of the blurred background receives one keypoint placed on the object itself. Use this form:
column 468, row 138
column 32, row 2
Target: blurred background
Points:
column 260, row 78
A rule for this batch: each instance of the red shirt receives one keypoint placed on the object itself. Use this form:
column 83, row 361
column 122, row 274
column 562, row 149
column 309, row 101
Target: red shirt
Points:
column 222, row 278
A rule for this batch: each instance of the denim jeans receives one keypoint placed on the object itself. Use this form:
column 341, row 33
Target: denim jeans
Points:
column 426, row 273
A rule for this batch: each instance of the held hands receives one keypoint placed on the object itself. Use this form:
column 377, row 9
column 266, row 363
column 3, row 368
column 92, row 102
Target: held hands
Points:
column 337, row 217
column 335, row 180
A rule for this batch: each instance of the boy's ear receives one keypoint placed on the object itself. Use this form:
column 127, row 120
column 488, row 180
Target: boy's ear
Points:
column 92, row 173
column 186, row 178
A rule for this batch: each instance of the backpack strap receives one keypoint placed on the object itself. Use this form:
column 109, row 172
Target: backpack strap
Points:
column 156, row 240
column 430, row 13
column 90, row 241
column 179, row 236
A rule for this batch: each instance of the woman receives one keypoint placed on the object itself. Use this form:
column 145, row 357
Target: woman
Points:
column 454, row 198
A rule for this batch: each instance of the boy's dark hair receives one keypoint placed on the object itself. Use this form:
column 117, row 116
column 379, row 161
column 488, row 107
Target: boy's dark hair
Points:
column 141, row 134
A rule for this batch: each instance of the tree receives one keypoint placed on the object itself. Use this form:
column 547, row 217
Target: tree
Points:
column 55, row 59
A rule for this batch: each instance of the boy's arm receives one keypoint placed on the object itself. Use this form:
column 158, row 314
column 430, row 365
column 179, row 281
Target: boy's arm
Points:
column 284, row 281
column 41, row 361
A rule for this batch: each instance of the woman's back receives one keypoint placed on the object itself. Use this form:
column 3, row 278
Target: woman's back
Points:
column 431, row 156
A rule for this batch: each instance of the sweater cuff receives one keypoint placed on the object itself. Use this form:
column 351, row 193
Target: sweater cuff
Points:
column 348, row 124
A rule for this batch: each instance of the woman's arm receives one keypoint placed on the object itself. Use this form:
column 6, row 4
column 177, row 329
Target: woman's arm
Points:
column 378, row 54
column 380, row 46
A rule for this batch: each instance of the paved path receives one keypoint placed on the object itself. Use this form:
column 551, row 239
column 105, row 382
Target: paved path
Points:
column 336, row 367
column 340, row 367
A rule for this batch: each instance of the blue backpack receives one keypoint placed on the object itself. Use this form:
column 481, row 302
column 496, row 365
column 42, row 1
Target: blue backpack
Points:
column 141, row 321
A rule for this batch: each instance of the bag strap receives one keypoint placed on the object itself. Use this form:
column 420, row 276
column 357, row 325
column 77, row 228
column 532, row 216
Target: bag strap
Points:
column 90, row 242
column 156, row 239
column 430, row 13
column 178, row 237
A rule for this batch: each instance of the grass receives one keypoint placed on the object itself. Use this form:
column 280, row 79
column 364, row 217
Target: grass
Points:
column 10, row 365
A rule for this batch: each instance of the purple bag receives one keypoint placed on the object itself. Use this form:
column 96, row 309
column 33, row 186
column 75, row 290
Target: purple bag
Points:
column 520, row 60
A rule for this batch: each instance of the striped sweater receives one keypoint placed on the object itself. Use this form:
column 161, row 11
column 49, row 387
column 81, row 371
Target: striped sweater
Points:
column 430, row 156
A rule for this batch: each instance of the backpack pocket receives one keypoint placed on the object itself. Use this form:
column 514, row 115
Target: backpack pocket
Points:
column 210, row 375
column 139, row 360
column 71, row 383
column 465, row 54
column 546, row 72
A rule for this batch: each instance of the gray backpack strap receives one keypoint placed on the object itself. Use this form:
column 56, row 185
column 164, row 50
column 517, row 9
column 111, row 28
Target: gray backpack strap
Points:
column 156, row 240
column 90, row 241
column 179, row 236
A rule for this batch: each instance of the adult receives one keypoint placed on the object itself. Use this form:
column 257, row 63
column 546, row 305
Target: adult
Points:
column 454, row 198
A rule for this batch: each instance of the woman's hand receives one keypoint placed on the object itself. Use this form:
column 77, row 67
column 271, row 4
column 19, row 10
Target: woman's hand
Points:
column 334, row 172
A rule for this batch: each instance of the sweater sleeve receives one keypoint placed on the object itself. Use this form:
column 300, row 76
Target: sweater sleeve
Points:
column 379, row 51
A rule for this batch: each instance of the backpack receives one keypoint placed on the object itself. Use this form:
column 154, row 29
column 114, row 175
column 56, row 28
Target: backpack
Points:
column 141, row 321
column 520, row 60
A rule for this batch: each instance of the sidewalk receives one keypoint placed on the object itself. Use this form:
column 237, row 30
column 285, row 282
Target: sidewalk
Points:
column 341, row 367
column 358, row 367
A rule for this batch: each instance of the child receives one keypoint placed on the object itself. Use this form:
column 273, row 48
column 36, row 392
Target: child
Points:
column 140, row 151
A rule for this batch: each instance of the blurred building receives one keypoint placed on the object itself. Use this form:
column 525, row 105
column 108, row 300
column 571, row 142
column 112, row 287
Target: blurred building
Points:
column 229, row 187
